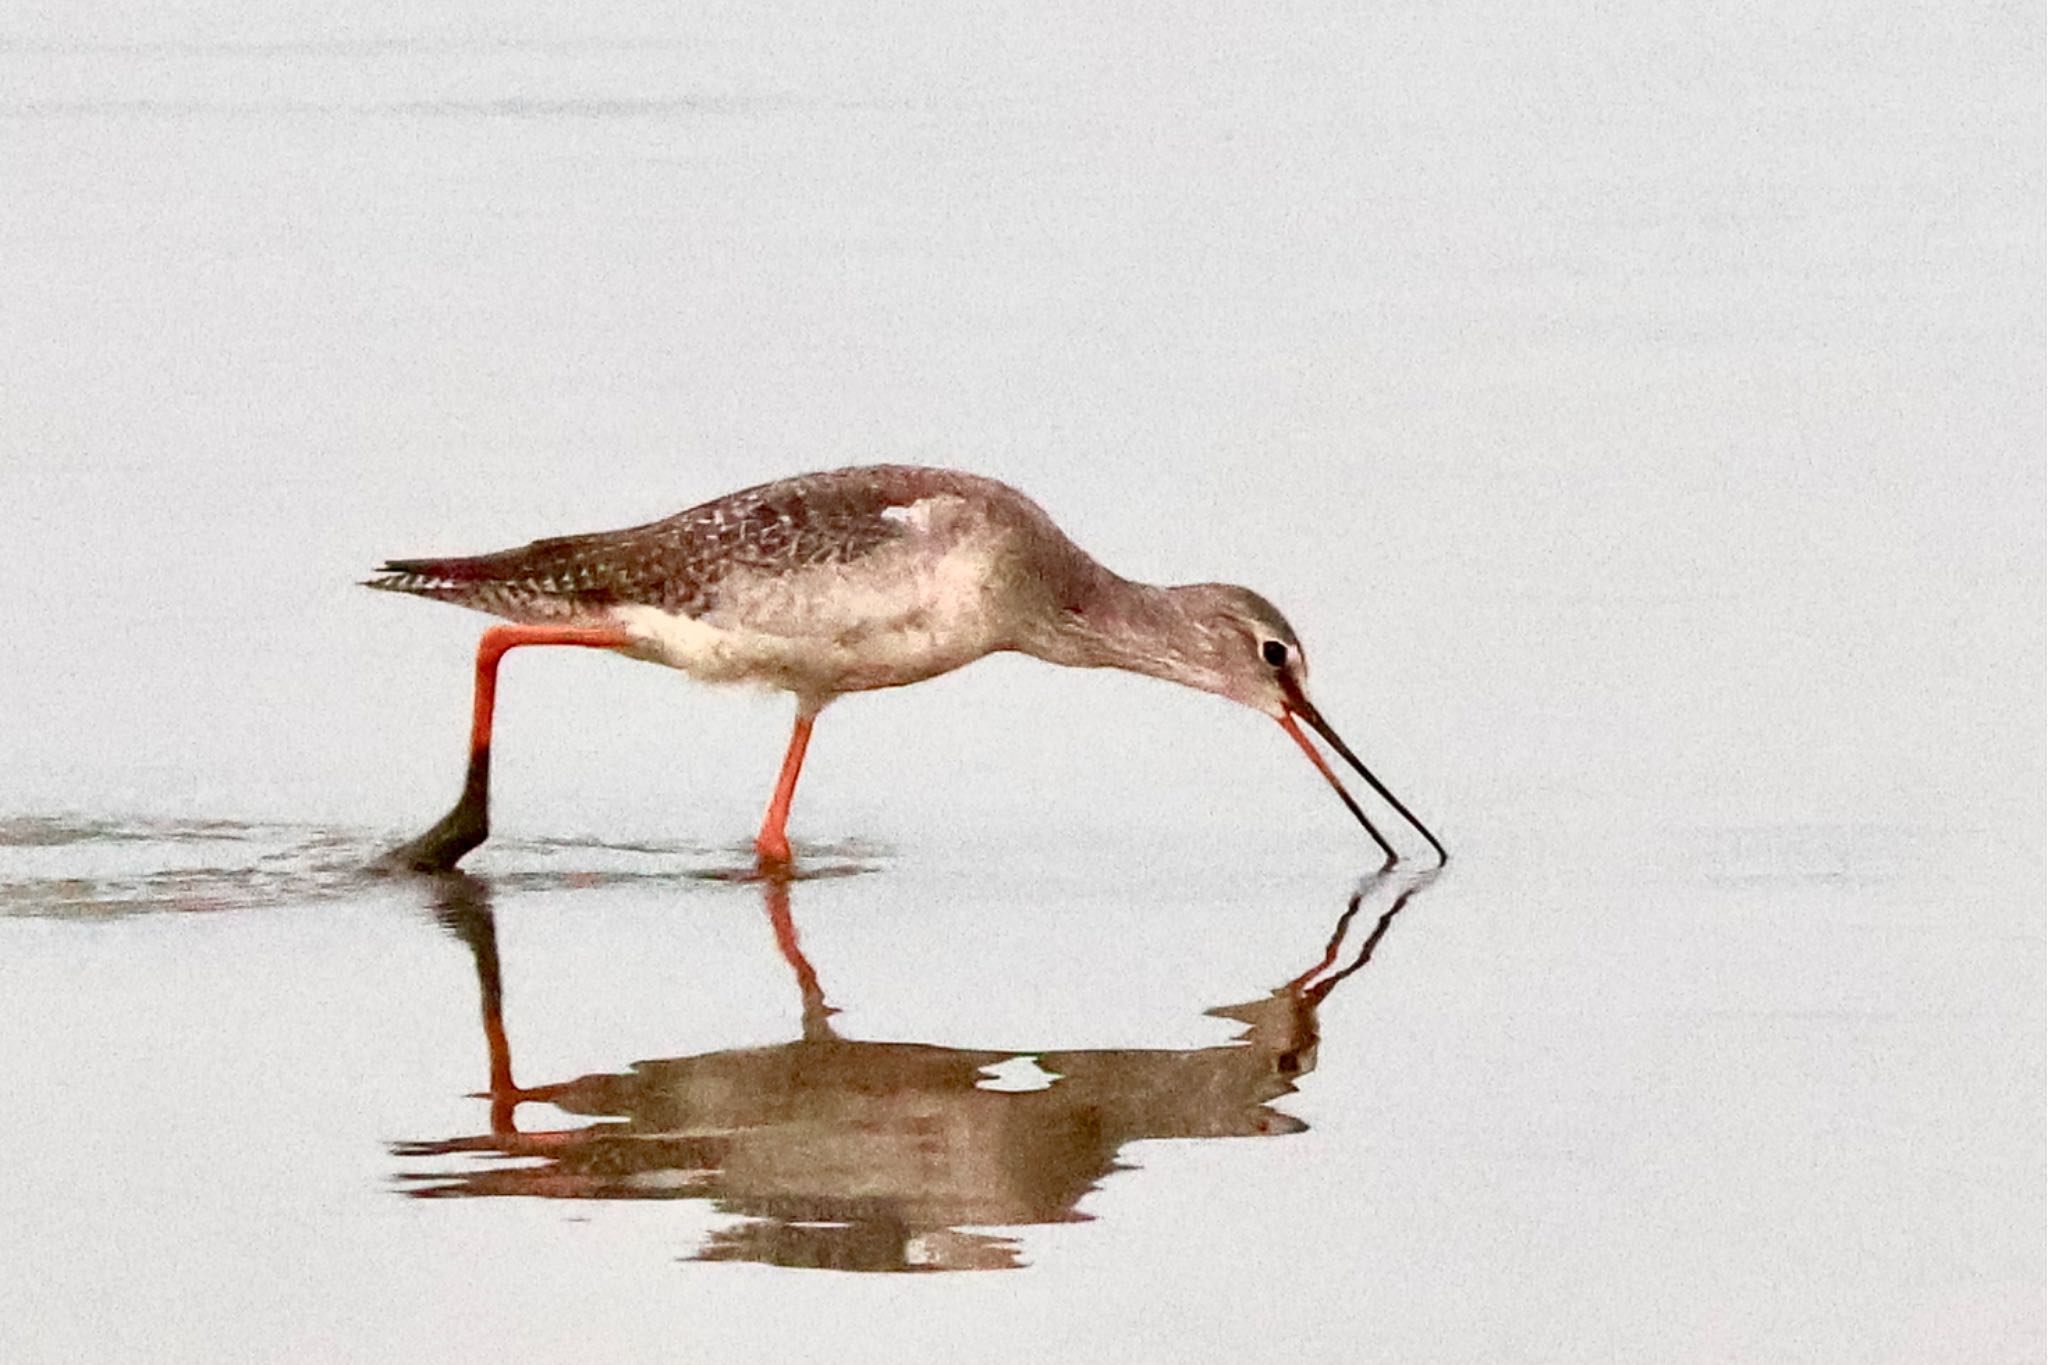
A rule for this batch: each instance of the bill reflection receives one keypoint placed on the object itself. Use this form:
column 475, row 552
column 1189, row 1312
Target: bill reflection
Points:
column 849, row 1155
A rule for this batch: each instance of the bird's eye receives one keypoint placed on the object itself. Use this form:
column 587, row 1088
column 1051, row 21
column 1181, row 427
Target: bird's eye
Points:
column 1274, row 653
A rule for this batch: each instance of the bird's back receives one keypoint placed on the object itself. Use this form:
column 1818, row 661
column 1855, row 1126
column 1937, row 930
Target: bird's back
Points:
column 681, row 562
column 880, row 574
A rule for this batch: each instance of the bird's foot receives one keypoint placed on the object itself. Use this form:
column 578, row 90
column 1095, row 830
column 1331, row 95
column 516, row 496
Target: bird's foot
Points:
column 772, row 855
column 442, row 847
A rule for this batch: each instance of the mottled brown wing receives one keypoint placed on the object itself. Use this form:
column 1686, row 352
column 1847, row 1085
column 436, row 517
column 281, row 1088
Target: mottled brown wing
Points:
column 678, row 563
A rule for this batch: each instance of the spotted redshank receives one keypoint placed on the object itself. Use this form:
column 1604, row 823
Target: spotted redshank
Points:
column 848, row 581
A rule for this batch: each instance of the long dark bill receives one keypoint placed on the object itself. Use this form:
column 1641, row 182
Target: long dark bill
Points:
column 1299, row 706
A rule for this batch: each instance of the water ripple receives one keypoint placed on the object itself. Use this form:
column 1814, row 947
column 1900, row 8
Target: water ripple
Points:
column 95, row 868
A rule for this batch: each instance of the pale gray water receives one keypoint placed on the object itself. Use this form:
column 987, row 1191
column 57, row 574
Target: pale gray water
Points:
column 1639, row 415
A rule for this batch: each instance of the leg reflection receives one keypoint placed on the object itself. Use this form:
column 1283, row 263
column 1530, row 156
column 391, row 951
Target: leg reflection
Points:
column 877, row 1155
column 816, row 1013
column 463, row 906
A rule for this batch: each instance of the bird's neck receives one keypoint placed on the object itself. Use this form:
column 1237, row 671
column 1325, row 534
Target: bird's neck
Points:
column 1113, row 622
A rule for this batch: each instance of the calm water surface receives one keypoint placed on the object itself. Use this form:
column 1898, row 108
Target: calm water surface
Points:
column 1639, row 416
column 1740, row 1090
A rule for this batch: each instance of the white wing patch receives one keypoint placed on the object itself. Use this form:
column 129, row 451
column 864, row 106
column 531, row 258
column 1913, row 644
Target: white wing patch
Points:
column 912, row 515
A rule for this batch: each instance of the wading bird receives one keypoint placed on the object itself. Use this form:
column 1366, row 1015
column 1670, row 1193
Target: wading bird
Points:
column 848, row 581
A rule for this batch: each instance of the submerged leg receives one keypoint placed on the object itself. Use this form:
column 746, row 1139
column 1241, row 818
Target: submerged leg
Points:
column 772, row 843
column 468, row 824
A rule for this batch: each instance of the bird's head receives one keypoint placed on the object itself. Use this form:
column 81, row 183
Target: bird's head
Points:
column 1244, row 649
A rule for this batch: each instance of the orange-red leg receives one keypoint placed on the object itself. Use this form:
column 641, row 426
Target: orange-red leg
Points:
column 772, row 843
column 468, row 824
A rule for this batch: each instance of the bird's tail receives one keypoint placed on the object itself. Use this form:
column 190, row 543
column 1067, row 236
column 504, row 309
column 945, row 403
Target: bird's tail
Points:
column 509, row 584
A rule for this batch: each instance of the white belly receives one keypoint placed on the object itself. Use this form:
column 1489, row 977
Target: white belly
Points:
column 898, row 616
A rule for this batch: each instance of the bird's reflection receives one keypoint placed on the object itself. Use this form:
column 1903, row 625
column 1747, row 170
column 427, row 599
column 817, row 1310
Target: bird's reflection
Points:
column 874, row 1156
